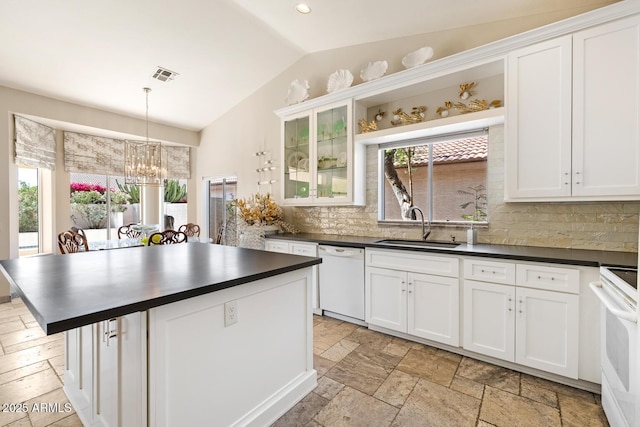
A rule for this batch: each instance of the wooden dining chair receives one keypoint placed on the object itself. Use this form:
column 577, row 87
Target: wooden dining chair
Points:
column 167, row 237
column 78, row 230
column 190, row 229
column 70, row 242
column 127, row 232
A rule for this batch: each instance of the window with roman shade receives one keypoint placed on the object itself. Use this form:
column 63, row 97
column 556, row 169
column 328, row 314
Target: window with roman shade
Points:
column 93, row 154
column 178, row 166
column 105, row 156
column 35, row 144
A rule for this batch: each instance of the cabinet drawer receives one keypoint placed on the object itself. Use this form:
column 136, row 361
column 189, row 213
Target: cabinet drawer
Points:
column 490, row 271
column 413, row 261
column 273, row 246
column 549, row 278
column 304, row 249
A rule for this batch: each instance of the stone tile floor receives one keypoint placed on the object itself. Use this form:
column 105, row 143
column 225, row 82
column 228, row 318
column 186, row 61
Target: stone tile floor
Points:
column 369, row 379
column 365, row 379
column 31, row 372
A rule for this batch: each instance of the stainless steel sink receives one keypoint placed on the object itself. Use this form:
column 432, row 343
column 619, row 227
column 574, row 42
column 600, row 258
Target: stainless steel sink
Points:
column 418, row 243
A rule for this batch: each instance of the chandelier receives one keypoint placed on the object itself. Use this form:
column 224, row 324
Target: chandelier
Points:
column 145, row 162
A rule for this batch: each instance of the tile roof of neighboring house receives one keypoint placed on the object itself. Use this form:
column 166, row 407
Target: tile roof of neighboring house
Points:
column 460, row 150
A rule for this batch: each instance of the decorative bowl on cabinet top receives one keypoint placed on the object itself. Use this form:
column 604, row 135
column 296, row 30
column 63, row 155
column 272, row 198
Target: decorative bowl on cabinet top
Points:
column 298, row 92
column 373, row 70
column 341, row 79
column 417, row 57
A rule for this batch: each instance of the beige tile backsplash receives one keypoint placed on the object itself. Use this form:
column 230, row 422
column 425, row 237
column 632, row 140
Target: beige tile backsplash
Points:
column 609, row 226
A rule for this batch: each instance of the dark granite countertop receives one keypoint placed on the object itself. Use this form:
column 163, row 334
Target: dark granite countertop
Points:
column 584, row 257
column 68, row 291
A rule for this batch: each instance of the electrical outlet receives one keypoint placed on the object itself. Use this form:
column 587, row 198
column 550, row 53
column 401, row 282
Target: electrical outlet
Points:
column 230, row 313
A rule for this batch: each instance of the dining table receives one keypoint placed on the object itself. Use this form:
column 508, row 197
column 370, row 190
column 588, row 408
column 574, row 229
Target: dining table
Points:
column 99, row 245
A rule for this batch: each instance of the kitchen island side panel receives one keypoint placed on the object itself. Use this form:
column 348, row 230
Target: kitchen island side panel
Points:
column 202, row 372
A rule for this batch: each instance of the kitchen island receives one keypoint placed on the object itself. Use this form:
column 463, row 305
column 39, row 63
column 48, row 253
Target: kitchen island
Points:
column 191, row 334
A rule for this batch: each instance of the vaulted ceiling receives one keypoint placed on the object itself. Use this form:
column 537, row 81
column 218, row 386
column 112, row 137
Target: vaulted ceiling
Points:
column 102, row 53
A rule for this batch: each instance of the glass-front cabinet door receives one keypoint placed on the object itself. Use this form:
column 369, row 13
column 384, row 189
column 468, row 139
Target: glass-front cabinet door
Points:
column 332, row 153
column 318, row 157
column 297, row 174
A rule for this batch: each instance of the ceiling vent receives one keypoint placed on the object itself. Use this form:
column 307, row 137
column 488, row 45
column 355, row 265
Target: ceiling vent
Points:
column 164, row 75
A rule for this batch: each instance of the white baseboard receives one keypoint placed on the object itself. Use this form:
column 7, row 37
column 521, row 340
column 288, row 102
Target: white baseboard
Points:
column 281, row 401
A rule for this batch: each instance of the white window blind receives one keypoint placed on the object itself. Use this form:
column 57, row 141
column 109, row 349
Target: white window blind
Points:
column 35, row 144
column 105, row 156
column 93, row 154
column 178, row 166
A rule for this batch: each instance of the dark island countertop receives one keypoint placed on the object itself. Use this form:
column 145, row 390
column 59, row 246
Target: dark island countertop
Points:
column 68, row 291
column 585, row 257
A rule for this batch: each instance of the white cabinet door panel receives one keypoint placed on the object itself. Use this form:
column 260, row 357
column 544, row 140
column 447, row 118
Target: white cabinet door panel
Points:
column 386, row 296
column 433, row 311
column 547, row 331
column 538, row 124
column 606, row 93
column 107, row 398
column 78, row 375
column 489, row 321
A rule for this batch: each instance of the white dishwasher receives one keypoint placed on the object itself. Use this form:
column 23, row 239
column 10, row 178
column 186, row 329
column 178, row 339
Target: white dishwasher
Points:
column 341, row 282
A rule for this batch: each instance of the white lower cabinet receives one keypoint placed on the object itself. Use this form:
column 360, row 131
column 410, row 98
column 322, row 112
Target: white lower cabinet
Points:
column 105, row 371
column 547, row 331
column 433, row 303
column 303, row 249
column 419, row 304
column 386, row 298
column 489, row 321
column 532, row 327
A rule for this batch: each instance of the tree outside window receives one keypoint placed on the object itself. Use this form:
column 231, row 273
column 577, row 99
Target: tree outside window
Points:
column 446, row 179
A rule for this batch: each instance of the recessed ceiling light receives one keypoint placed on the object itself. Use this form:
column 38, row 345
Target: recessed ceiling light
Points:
column 303, row 8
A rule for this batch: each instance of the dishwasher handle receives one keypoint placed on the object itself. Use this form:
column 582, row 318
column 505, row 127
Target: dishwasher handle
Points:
column 340, row 252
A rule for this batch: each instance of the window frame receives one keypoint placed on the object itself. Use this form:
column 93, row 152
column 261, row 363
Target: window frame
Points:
column 428, row 213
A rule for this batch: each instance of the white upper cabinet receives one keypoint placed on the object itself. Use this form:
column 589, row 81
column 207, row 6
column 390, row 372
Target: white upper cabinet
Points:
column 606, row 110
column 538, row 129
column 320, row 166
column 573, row 116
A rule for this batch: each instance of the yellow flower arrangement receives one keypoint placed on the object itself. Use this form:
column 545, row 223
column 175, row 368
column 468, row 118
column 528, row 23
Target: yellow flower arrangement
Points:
column 261, row 209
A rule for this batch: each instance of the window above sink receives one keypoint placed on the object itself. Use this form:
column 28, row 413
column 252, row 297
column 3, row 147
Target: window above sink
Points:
column 446, row 177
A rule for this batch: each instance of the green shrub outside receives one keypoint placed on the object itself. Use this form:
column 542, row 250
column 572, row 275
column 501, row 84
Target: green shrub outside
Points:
column 28, row 208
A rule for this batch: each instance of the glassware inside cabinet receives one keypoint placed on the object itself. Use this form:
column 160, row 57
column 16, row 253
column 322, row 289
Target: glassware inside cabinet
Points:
column 332, row 152
column 332, row 124
column 332, row 182
column 296, row 158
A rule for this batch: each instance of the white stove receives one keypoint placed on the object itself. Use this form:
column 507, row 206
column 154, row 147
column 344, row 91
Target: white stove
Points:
column 617, row 291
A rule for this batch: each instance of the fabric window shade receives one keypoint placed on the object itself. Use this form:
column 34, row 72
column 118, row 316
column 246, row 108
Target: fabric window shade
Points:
column 93, row 154
column 178, row 166
column 35, row 144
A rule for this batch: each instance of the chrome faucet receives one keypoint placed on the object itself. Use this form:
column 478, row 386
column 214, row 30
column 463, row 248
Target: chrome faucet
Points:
column 425, row 234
